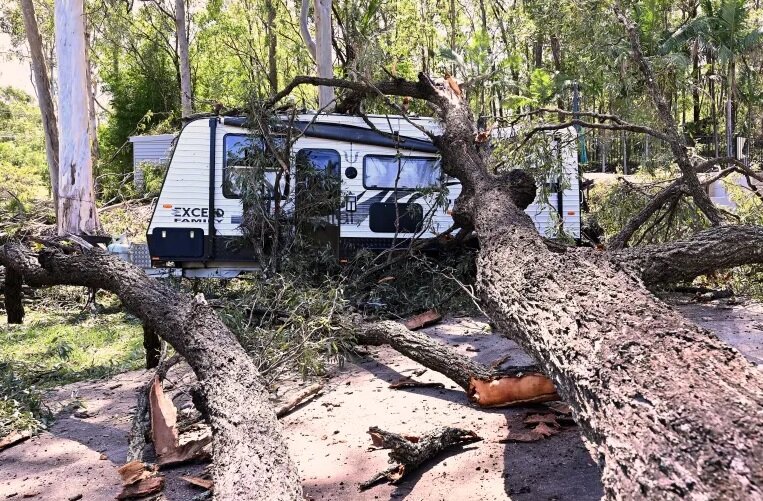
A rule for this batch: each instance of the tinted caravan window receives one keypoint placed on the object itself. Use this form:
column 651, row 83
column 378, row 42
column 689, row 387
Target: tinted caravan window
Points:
column 242, row 152
column 405, row 173
column 319, row 184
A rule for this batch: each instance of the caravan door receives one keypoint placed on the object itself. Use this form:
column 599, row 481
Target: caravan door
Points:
column 318, row 194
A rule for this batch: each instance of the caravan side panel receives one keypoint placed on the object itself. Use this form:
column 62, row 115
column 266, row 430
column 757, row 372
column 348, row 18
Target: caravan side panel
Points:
column 179, row 222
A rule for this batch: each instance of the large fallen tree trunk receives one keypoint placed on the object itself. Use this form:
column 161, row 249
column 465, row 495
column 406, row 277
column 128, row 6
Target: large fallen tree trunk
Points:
column 250, row 456
column 671, row 410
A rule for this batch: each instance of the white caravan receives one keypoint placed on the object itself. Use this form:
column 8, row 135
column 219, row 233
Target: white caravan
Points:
column 387, row 178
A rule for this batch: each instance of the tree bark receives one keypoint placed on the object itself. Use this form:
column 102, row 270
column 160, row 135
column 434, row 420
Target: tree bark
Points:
column 14, row 306
column 186, row 92
column 250, row 456
column 44, row 97
column 323, row 58
column 671, row 410
column 76, row 205
column 702, row 253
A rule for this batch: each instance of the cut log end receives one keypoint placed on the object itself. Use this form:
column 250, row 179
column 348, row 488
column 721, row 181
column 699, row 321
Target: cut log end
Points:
column 505, row 391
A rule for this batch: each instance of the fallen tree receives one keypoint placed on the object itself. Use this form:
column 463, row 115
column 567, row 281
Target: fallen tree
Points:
column 671, row 410
column 249, row 454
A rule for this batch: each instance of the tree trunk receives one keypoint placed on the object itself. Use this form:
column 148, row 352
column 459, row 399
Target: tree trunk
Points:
column 153, row 347
column 323, row 58
column 76, row 208
column 92, row 117
column 702, row 253
column 186, row 92
column 730, row 146
column 44, row 97
column 672, row 411
column 304, row 28
column 272, row 45
column 696, row 83
column 14, row 306
column 250, row 456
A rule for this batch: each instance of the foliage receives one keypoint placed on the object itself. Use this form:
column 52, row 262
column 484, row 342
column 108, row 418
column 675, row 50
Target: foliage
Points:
column 612, row 204
column 59, row 344
column 285, row 323
column 438, row 279
column 745, row 280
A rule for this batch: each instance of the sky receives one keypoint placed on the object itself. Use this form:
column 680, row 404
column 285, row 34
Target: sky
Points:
column 12, row 71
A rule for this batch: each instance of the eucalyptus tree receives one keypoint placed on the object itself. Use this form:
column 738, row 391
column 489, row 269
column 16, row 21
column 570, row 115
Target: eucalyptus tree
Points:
column 76, row 212
column 43, row 87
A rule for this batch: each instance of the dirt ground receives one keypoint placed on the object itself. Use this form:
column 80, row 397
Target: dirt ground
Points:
column 77, row 458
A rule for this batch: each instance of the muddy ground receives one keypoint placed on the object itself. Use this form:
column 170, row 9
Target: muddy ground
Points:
column 77, row 458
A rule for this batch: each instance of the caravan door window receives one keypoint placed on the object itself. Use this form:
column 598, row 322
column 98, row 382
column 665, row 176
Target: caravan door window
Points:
column 391, row 172
column 242, row 152
column 318, row 181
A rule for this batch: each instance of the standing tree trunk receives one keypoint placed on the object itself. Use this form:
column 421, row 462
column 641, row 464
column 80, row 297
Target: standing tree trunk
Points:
column 44, row 97
column 272, row 45
column 76, row 205
column 186, row 93
column 323, row 51
column 14, row 307
column 730, row 146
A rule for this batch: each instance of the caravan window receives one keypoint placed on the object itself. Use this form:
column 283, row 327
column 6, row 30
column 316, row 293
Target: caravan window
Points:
column 242, row 152
column 318, row 161
column 404, row 173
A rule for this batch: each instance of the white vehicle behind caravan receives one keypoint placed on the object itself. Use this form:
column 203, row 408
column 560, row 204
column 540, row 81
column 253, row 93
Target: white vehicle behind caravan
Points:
column 384, row 178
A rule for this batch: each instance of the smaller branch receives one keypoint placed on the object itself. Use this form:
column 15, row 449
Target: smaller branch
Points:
column 410, row 452
column 298, row 399
column 592, row 125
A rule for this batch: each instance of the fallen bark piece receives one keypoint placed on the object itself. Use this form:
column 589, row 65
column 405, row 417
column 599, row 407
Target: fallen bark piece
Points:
column 541, row 418
column 541, row 431
column 561, row 408
column 204, row 483
column 140, row 420
column 133, row 472
column 504, row 391
column 14, row 438
column 163, row 419
column 409, row 452
column 429, row 317
column 142, row 488
column 298, row 399
column 195, row 450
column 412, row 383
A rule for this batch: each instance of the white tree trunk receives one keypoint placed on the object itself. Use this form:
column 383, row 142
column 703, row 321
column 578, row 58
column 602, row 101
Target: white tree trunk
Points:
column 304, row 28
column 44, row 97
column 76, row 205
column 323, row 54
column 186, row 103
